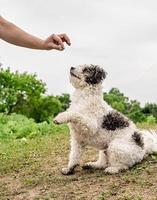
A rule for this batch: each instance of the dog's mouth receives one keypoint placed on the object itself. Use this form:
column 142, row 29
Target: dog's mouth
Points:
column 72, row 74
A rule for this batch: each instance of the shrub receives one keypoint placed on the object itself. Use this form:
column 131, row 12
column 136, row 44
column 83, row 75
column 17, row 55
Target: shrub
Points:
column 16, row 126
column 151, row 120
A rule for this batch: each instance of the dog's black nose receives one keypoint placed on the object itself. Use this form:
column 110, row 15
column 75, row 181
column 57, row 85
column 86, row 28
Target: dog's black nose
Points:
column 72, row 68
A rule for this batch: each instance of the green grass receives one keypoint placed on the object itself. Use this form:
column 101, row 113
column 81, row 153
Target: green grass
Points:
column 30, row 169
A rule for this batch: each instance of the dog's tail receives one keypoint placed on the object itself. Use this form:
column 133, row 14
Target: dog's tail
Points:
column 150, row 141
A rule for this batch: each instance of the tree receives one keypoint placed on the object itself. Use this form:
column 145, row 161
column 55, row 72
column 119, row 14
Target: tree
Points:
column 135, row 112
column 123, row 104
column 24, row 94
column 41, row 108
column 17, row 89
column 150, row 109
column 117, row 100
column 65, row 100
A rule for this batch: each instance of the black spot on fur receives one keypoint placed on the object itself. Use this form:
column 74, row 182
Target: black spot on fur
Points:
column 94, row 74
column 113, row 121
column 137, row 137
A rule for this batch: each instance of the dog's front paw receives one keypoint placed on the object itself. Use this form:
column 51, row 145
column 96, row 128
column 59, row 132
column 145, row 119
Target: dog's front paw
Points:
column 67, row 171
column 60, row 118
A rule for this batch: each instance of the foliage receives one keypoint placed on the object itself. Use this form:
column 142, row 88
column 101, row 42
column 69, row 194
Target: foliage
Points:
column 65, row 101
column 135, row 112
column 117, row 100
column 150, row 109
column 16, row 126
column 151, row 119
column 131, row 108
column 24, row 94
column 17, row 89
column 40, row 109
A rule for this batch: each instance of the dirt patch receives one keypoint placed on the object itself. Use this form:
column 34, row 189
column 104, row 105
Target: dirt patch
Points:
column 38, row 177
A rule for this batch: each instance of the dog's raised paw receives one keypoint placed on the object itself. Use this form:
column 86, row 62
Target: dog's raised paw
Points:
column 56, row 122
column 60, row 118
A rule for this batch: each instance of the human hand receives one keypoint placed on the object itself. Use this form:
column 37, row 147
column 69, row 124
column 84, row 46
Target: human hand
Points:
column 56, row 41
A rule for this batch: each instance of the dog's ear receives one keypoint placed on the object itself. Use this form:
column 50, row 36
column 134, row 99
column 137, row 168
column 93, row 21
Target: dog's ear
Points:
column 100, row 74
column 95, row 74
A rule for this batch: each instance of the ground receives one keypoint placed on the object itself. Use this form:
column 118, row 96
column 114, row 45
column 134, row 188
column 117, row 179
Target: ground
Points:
column 30, row 170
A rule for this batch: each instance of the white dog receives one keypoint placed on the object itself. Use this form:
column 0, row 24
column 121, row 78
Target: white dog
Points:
column 93, row 122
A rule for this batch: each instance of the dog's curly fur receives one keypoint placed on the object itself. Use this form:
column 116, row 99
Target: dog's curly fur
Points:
column 93, row 122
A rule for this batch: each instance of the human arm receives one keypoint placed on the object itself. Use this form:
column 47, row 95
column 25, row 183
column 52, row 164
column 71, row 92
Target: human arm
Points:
column 9, row 32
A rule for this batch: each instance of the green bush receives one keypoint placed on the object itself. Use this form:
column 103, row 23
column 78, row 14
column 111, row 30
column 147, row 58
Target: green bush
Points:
column 150, row 109
column 16, row 126
column 41, row 109
column 151, row 120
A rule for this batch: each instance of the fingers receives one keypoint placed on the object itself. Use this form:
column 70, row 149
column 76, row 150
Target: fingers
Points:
column 65, row 38
column 58, row 41
column 54, row 46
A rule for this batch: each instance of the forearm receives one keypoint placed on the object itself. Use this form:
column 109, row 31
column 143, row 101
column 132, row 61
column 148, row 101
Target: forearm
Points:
column 84, row 123
column 13, row 34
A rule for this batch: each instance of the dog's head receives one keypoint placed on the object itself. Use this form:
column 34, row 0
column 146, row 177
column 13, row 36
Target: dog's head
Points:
column 86, row 75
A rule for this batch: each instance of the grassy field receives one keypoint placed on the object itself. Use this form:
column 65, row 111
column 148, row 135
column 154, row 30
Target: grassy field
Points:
column 30, row 169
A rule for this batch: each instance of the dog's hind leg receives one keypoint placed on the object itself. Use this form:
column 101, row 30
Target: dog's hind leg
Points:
column 101, row 163
column 122, row 155
column 74, row 158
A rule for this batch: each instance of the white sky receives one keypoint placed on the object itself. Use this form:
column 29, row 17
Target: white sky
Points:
column 121, row 36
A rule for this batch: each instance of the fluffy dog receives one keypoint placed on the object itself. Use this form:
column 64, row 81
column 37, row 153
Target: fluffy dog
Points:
column 93, row 122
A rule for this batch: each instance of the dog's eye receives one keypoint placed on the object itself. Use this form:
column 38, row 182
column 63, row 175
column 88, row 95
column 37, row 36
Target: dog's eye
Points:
column 86, row 70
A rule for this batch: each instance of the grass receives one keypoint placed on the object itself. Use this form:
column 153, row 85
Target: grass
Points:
column 30, row 169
